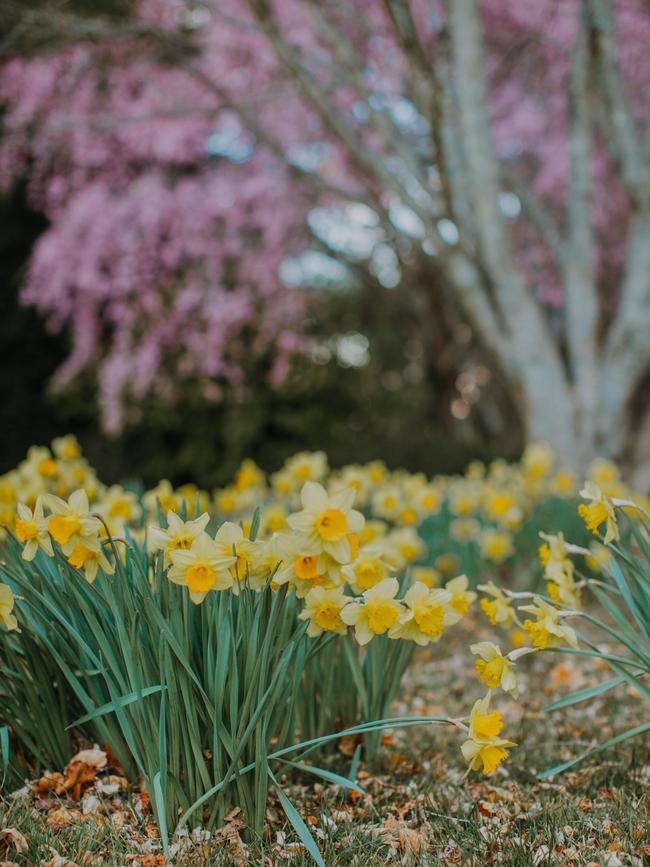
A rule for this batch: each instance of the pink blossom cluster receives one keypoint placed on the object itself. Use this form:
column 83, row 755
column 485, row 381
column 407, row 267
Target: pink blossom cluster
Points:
column 160, row 259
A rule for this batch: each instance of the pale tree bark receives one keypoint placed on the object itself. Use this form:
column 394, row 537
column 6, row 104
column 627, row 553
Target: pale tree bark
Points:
column 578, row 263
column 581, row 406
column 528, row 352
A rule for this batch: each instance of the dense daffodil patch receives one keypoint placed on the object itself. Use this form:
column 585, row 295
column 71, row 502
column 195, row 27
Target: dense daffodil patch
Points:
column 268, row 616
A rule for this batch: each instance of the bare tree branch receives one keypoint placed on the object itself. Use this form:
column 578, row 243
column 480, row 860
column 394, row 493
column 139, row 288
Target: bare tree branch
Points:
column 535, row 360
column 483, row 175
column 626, row 354
column 626, row 138
column 579, row 264
column 540, row 218
column 31, row 31
column 370, row 163
column 347, row 62
column 480, row 162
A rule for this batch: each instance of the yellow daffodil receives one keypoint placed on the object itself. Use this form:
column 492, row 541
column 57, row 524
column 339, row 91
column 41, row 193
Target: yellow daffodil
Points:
column 305, row 570
column 268, row 558
column 118, row 507
column 89, row 561
column 377, row 613
column 402, row 547
column 447, row 563
column 196, row 500
column 306, row 467
column 323, row 608
column 564, row 483
column 565, row 592
column 352, row 476
column 429, row 500
column 496, row 545
column 558, row 570
column 537, row 460
column 426, row 575
column 376, row 472
column 178, row 536
column 249, row 475
column 464, row 499
column 205, row 566
column 273, row 519
column 408, row 516
column 372, row 530
column 497, row 610
column 387, row 502
column 599, row 556
column 282, row 483
column 71, row 523
column 424, row 618
column 226, row 501
column 475, row 470
column 518, row 638
column 599, row 511
column 232, row 544
column 605, row 475
column 461, row 598
column 325, row 522
column 497, row 505
column 368, row 569
column 246, row 568
column 547, row 630
column 31, row 530
column 66, row 448
column 9, row 488
column 464, row 529
column 164, row 495
column 554, row 557
column 40, row 460
column 7, row 602
column 331, row 570
column 499, row 472
column 484, row 749
column 494, row 669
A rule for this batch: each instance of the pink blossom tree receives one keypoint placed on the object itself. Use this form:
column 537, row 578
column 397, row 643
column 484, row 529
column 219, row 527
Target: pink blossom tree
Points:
column 496, row 152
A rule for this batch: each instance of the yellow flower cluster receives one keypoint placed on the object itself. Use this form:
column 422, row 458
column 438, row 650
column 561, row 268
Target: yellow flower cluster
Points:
column 484, row 749
column 487, row 505
column 345, row 567
column 79, row 534
column 319, row 556
column 57, row 472
column 548, row 627
column 342, row 541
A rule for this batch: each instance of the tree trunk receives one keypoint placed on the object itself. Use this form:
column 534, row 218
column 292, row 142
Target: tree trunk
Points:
column 557, row 417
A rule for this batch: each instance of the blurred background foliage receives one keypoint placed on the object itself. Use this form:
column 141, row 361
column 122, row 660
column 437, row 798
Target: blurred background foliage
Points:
column 175, row 187
column 377, row 385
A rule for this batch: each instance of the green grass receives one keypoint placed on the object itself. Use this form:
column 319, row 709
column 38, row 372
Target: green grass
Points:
column 418, row 809
column 602, row 810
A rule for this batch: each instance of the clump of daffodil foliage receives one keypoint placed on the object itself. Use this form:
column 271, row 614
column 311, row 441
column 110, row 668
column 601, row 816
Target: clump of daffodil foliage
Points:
column 211, row 640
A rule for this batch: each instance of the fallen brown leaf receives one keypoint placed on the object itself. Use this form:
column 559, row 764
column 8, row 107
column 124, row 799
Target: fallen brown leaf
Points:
column 11, row 838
